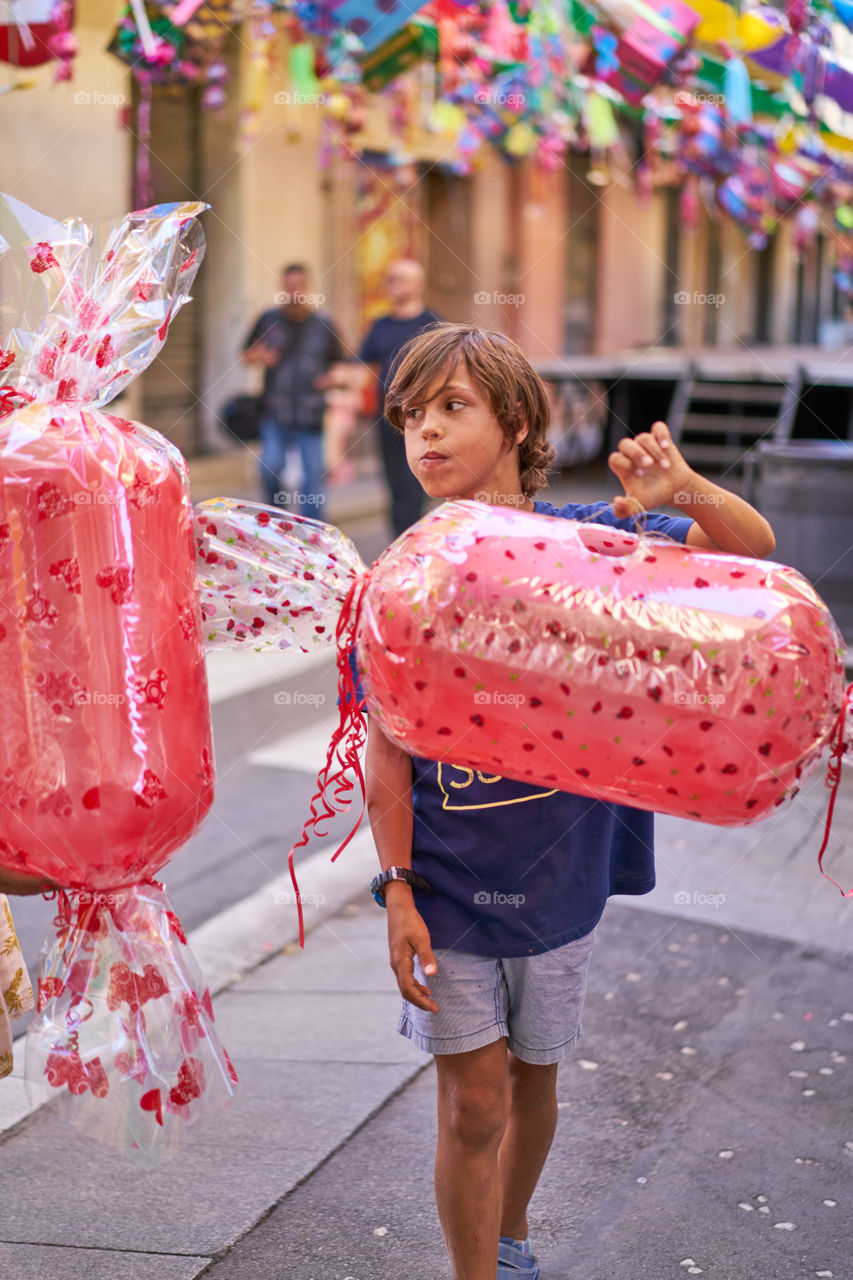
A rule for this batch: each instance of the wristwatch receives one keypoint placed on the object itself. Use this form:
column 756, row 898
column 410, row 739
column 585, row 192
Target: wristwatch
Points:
column 379, row 882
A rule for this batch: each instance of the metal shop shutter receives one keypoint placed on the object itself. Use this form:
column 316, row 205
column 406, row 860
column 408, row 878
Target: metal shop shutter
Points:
column 170, row 386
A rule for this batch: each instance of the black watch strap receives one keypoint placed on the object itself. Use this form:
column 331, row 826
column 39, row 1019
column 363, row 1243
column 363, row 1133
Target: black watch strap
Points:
column 378, row 883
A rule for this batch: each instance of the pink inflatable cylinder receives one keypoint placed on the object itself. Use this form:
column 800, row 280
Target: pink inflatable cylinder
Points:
column 613, row 665
column 106, row 760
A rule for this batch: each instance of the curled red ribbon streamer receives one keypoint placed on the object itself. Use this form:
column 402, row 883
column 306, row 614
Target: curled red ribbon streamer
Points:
column 833, row 780
column 334, row 789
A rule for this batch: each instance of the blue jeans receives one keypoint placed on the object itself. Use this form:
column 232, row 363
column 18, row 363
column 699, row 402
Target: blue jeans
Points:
column 276, row 440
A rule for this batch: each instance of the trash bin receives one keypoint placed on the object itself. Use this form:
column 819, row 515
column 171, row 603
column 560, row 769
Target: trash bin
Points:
column 805, row 489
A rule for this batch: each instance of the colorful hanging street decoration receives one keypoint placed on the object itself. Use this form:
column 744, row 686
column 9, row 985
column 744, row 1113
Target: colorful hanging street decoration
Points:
column 33, row 32
column 748, row 106
column 174, row 43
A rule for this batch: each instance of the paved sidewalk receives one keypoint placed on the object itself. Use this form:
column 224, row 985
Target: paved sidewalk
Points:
column 312, row 1036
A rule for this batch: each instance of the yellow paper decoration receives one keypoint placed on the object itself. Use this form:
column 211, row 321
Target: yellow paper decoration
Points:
column 745, row 32
column 446, row 117
column 520, row 140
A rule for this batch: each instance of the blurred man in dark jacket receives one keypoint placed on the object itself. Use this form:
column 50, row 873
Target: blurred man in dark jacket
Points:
column 296, row 345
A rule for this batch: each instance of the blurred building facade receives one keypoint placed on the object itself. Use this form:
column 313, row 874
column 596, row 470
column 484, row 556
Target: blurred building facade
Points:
column 563, row 265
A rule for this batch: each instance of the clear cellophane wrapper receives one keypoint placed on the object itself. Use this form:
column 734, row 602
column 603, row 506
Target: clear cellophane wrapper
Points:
column 125, row 1022
column 106, row 761
column 270, row 581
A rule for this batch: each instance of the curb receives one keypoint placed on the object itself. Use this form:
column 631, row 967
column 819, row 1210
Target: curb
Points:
column 231, row 944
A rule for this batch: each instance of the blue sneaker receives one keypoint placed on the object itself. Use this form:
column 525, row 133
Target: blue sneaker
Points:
column 516, row 1259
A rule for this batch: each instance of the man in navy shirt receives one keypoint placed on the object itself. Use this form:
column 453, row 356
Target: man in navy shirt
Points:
column 408, row 316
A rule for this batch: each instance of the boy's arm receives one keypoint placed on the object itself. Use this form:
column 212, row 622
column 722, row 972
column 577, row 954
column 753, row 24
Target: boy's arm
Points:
column 653, row 471
column 388, row 782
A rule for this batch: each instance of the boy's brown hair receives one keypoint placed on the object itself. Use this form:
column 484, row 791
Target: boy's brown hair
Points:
column 499, row 368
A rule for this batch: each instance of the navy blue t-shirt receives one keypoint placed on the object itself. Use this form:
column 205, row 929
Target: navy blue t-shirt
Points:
column 385, row 338
column 518, row 869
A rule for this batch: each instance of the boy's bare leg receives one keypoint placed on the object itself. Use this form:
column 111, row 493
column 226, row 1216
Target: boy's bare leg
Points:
column 526, row 1141
column 474, row 1091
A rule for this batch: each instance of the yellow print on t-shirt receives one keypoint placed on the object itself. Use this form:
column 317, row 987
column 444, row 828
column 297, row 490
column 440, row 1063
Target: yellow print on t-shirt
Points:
column 459, row 778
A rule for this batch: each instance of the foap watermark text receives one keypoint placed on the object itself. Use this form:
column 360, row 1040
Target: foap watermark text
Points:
column 286, row 698
column 695, row 899
column 483, row 698
column 488, row 898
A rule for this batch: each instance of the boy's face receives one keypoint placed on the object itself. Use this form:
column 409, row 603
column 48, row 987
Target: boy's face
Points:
column 455, row 445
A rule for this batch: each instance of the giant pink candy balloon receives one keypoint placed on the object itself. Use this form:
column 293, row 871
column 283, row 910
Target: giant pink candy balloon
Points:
column 106, row 759
column 592, row 660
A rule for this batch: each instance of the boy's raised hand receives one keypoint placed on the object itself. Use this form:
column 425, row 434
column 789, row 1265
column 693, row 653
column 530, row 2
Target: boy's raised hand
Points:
column 651, row 469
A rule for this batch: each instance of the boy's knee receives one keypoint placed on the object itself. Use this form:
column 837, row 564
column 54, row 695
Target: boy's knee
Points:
column 475, row 1113
column 533, row 1086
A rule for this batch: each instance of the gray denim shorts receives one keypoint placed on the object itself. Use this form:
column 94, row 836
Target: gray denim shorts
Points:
column 535, row 1001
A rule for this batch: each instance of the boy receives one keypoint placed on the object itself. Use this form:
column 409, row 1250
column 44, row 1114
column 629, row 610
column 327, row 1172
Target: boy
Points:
column 498, row 1001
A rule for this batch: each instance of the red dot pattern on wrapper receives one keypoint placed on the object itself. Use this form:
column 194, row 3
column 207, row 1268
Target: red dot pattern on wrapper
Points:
column 51, row 501
column 188, row 1007
column 48, row 989
column 151, row 790
column 58, row 803
column 60, row 689
column 67, row 390
column 118, row 578
column 152, row 689
column 7, row 357
column 104, row 352
column 153, row 1101
column 88, row 315
column 207, row 773
column 176, row 927
column 134, row 1066
column 12, row 795
column 188, row 622
column 190, row 1083
column 134, row 989
column 41, row 611
column 190, row 262
column 143, row 494
column 65, row 1067
column 67, row 571
column 42, row 257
